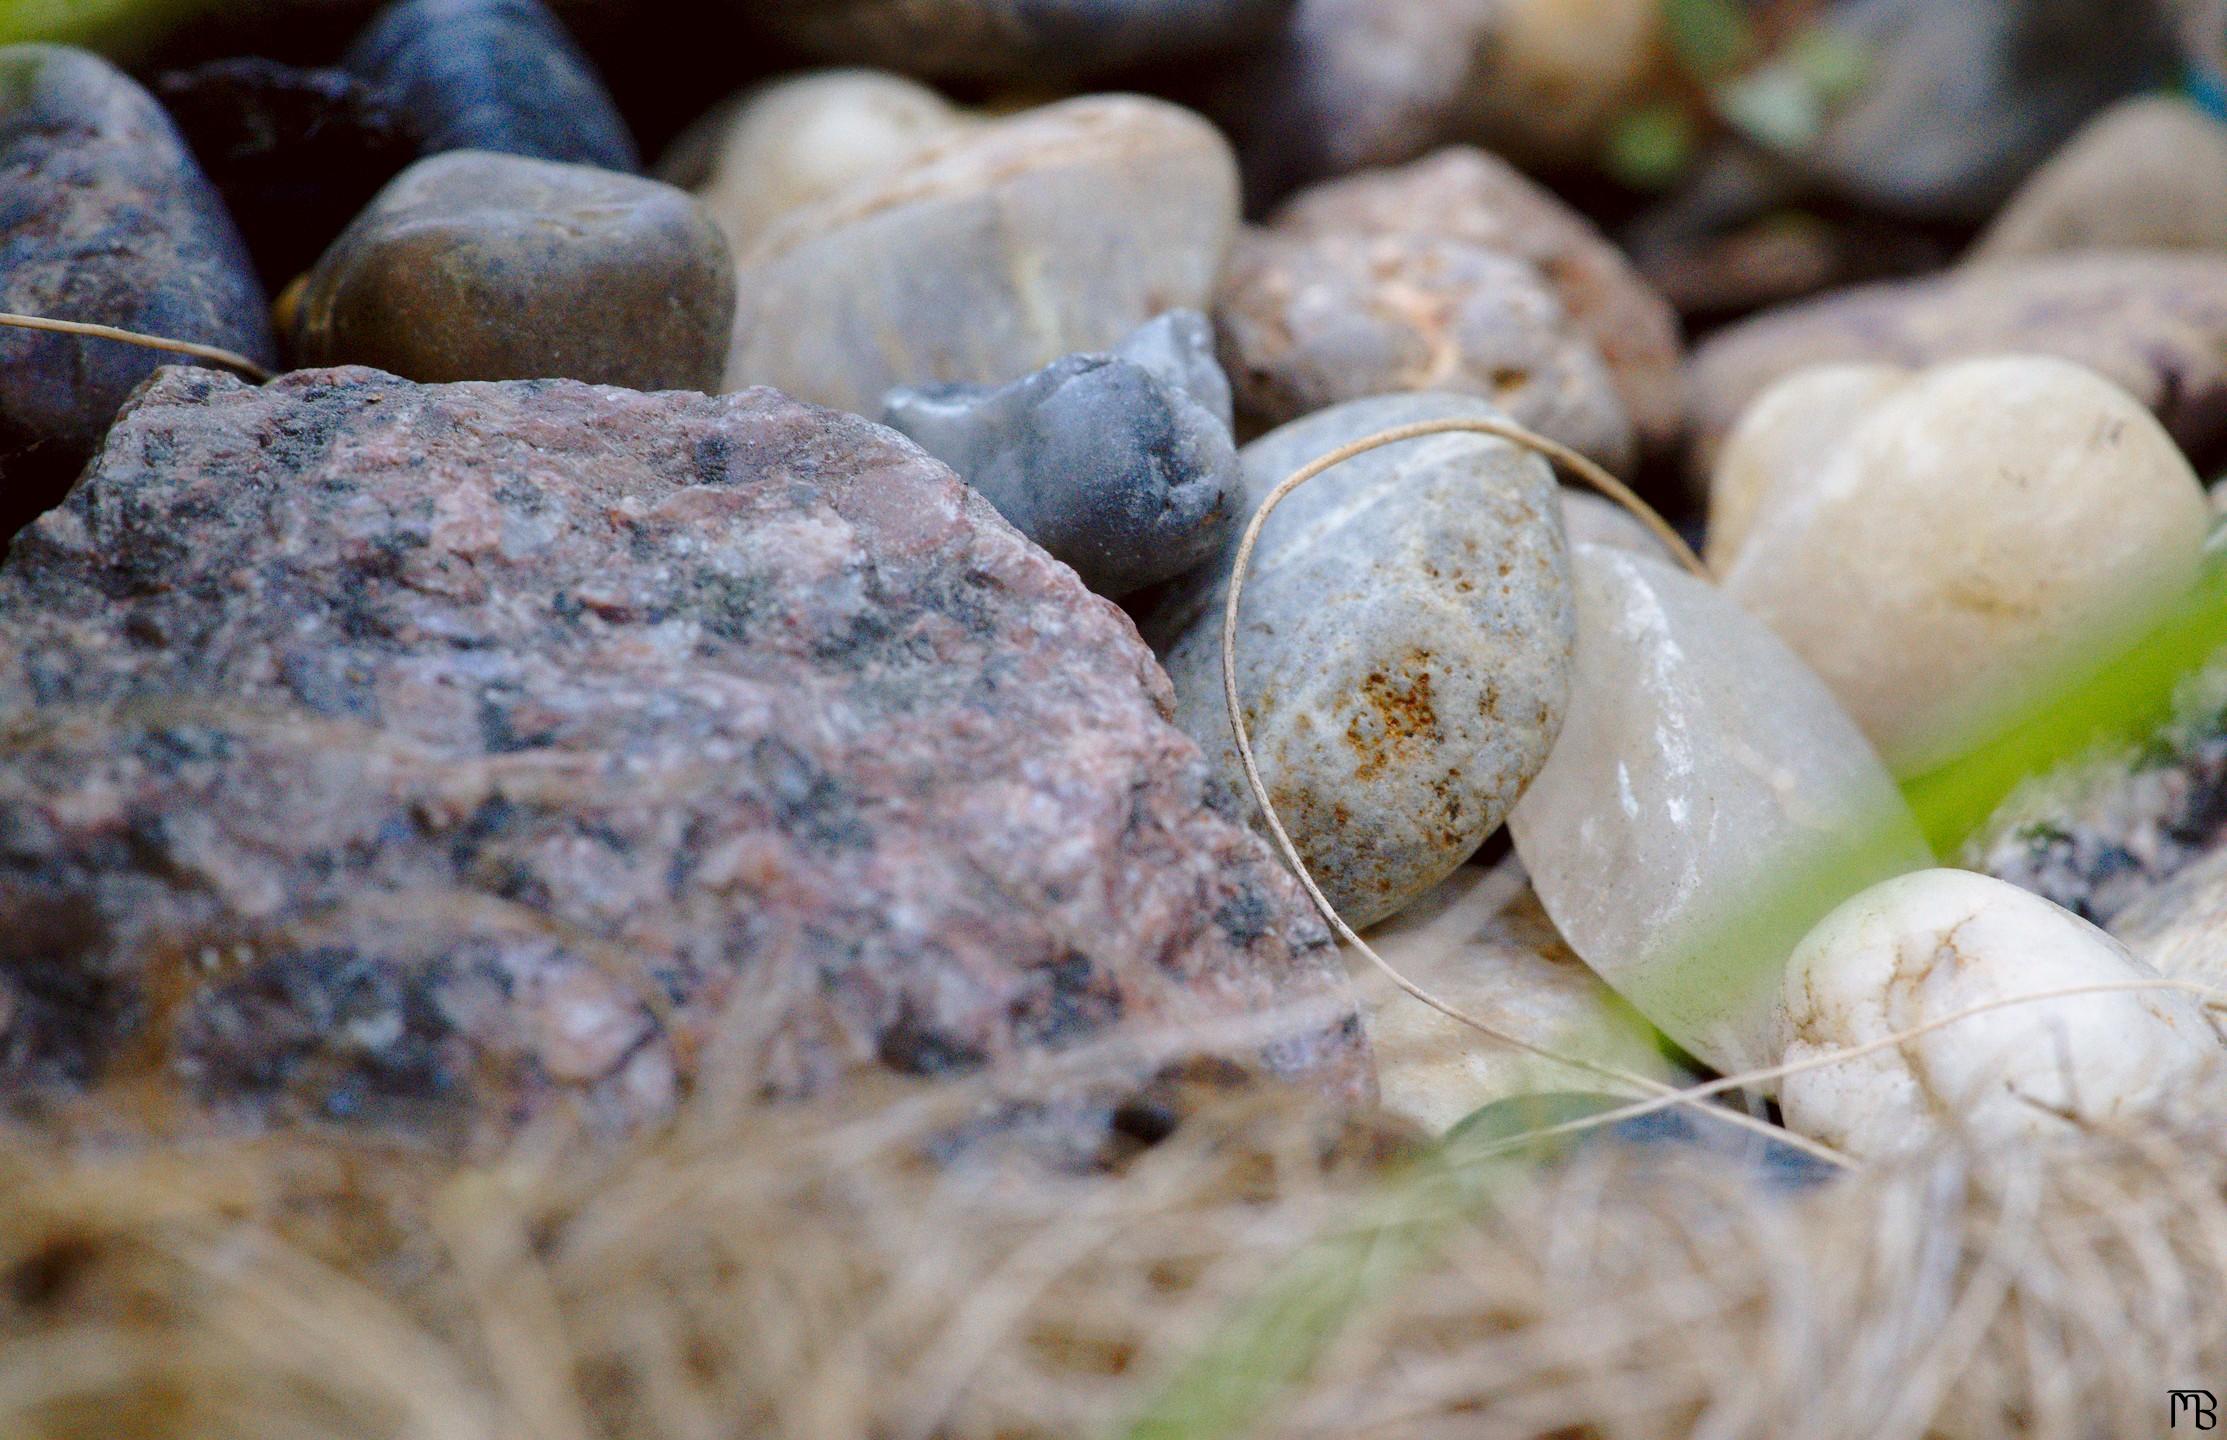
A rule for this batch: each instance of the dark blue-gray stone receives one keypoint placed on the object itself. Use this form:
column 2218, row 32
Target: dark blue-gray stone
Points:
column 1775, row 1163
column 1120, row 464
column 104, row 218
column 1021, row 40
column 501, row 75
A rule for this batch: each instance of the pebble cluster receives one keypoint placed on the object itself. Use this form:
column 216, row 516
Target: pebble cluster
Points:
column 793, row 547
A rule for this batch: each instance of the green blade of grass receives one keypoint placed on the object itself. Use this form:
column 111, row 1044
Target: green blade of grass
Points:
column 1232, row 1385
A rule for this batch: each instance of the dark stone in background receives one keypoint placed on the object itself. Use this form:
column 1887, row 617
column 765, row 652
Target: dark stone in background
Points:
column 501, row 75
column 295, row 152
column 104, row 218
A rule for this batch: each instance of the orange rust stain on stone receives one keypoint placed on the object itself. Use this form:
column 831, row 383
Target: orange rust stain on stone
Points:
column 1404, row 715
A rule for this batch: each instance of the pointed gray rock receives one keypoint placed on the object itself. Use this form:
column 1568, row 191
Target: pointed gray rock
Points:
column 1120, row 464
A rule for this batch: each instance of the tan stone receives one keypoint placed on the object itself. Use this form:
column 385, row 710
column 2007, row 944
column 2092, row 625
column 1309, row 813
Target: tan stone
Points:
column 989, row 254
column 2147, row 174
column 1467, row 195
column 1481, row 943
column 801, row 139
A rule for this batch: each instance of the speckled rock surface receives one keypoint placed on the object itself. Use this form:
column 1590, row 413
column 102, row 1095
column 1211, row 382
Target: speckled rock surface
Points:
column 1029, row 41
column 107, row 219
column 424, row 757
column 2155, row 323
column 2149, row 173
column 476, row 266
column 2105, row 831
column 1403, row 650
column 989, row 254
column 1466, row 194
column 1120, row 464
column 1707, row 801
column 500, row 75
column 1312, row 320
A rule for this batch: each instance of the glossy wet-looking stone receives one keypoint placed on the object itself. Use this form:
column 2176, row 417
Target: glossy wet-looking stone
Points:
column 474, row 266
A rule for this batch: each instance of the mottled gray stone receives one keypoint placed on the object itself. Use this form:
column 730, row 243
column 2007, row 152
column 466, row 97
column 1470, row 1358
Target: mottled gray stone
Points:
column 106, row 218
column 1309, row 320
column 1113, row 462
column 499, row 75
column 430, row 758
column 1404, row 646
column 989, row 253
column 477, row 266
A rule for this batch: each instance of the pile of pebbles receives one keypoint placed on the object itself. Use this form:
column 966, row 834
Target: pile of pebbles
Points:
column 795, row 561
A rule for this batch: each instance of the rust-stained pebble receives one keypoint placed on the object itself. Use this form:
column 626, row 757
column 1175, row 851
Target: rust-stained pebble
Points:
column 1404, row 646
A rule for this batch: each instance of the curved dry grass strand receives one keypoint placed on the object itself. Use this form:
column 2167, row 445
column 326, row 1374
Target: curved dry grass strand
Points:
column 1615, row 490
column 214, row 354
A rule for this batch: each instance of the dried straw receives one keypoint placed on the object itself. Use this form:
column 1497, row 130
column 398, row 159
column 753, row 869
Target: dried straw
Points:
column 797, row 1274
column 215, row 355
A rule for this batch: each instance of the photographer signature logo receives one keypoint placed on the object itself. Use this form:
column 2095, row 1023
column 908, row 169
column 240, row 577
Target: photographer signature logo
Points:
column 2195, row 1405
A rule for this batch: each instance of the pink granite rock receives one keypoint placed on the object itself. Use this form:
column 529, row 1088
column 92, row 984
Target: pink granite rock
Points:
column 428, row 756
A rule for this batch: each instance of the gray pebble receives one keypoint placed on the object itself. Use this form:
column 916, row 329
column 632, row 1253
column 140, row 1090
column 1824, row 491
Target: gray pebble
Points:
column 1404, row 646
column 1120, row 464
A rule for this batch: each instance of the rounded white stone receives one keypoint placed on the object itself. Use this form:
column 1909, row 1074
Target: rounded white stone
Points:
column 1788, row 432
column 1982, row 531
column 1930, row 945
column 797, row 140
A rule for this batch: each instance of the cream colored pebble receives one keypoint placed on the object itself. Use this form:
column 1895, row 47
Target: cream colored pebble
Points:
column 1929, row 945
column 1975, row 536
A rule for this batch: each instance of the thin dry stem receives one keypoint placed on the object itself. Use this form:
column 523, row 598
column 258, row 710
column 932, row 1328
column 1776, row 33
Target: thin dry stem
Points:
column 1615, row 490
column 216, row 355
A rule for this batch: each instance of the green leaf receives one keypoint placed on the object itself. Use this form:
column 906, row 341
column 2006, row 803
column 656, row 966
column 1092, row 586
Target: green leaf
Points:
column 1649, row 149
column 1773, row 106
column 111, row 26
column 1711, row 38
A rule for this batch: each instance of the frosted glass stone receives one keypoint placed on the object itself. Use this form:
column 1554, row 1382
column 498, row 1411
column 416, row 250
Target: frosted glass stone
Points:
column 1927, row 946
column 1708, row 800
